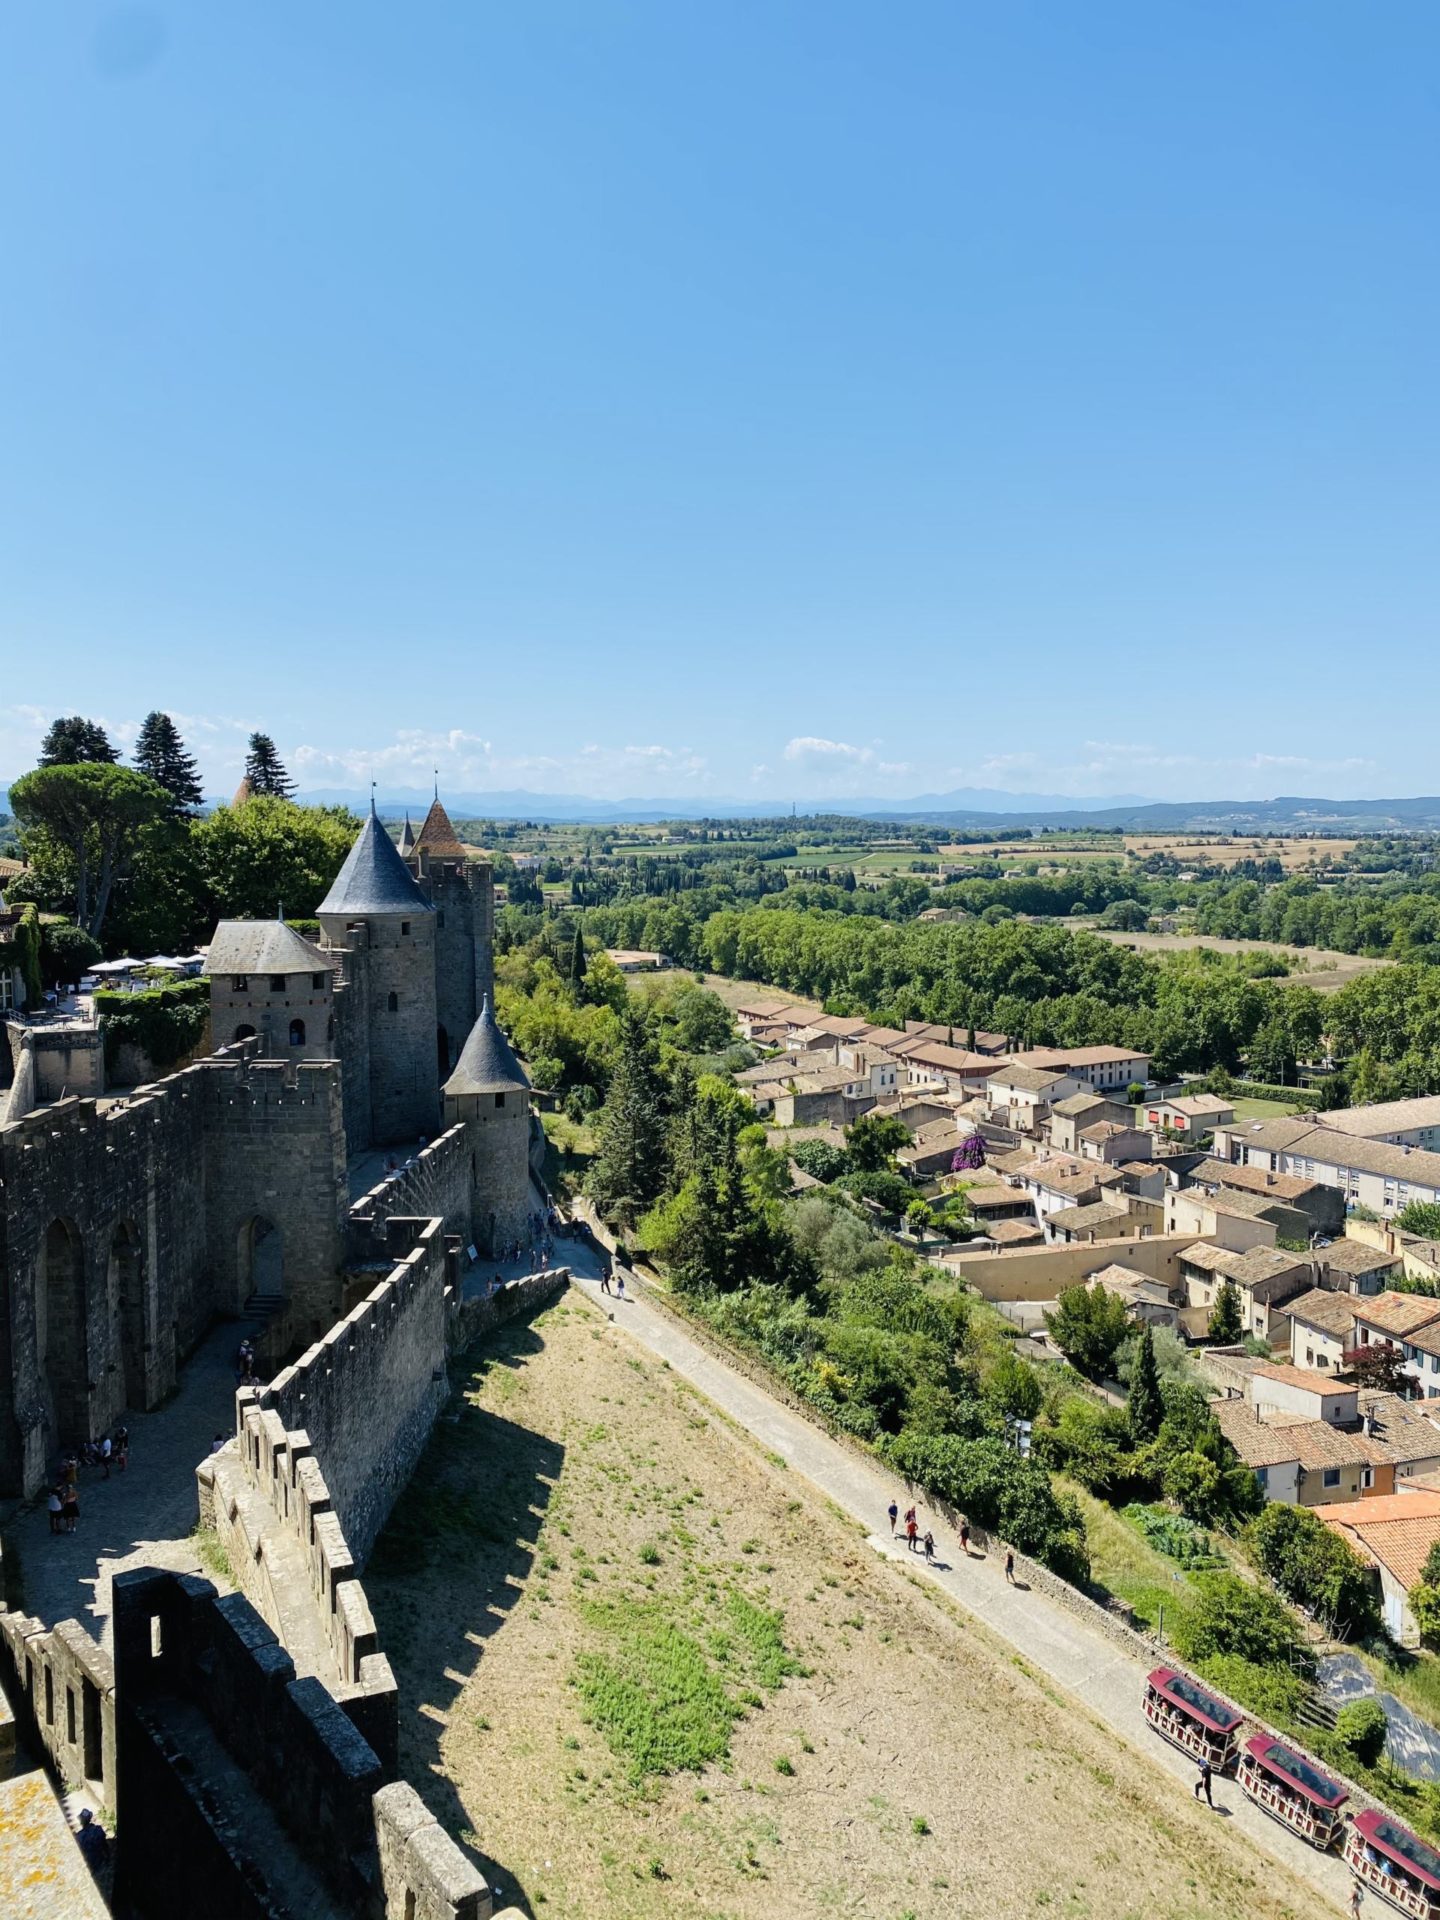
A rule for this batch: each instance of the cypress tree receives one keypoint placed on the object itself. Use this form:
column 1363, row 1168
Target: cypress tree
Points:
column 1226, row 1326
column 1145, row 1408
column 265, row 770
column 160, row 752
column 76, row 741
column 629, row 1170
column 577, row 964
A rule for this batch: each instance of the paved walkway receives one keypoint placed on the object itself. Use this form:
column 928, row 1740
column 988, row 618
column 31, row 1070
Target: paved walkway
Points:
column 142, row 1517
column 1062, row 1644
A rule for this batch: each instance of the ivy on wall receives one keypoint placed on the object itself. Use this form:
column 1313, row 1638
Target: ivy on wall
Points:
column 20, row 947
column 165, row 1023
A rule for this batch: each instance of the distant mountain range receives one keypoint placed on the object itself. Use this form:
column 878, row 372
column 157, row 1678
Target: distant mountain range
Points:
column 965, row 808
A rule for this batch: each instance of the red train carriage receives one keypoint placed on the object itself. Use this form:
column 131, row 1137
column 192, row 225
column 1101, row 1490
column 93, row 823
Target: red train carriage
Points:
column 1389, row 1860
column 1182, row 1712
column 1292, row 1789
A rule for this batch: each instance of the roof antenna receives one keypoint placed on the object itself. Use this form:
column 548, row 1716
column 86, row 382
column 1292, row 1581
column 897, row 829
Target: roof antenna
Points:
column 436, row 772
column 372, row 794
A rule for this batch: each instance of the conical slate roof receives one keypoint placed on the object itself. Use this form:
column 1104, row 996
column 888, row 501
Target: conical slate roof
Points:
column 437, row 837
column 487, row 1063
column 407, row 835
column 374, row 879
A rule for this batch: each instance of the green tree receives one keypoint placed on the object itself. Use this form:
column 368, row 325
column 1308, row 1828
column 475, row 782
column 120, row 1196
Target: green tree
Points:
column 1361, row 1726
column 75, row 741
column 265, row 770
column 270, row 854
column 821, row 1159
column 577, row 964
column 87, row 821
column 160, row 753
column 628, row 1173
column 1144, row 1408
column 874, row 1140
column 1088, row 1324
column 66, row 952
column 1422, row 1217
column 1226, row 1323
column 1230, row 1616
column 1014, row 1388
column 1314, row 1566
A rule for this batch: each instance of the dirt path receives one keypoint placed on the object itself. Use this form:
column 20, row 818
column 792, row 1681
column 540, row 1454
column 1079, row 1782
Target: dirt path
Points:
column 596, row 1570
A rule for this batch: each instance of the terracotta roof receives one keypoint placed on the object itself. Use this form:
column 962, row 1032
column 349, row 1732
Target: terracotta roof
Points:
column 1280, row 1186
column 1401, row 1428
column 1307, row 1378
column 1257, row 1443
column 1386, row 1116
column 1082, row 1219
column 1247, row 1269
column 437, row 837
column 1332, row 1313
column 1396, row 1530
column 1074, row 1104
column 1026, row 1079
column 1398, row 1314
column 1015, row 1233
column 1353, row 1256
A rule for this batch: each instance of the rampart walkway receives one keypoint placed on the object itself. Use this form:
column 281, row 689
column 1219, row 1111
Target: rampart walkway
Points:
column 142, row 1517
column 1079, row 1657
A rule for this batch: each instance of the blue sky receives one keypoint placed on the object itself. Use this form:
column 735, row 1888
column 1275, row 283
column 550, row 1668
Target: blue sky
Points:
column 747, row 399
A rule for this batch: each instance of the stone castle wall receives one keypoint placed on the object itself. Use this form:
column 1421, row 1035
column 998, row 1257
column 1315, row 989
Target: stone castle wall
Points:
column 436, row 1185
column 367, row 1393
column 123, row 1232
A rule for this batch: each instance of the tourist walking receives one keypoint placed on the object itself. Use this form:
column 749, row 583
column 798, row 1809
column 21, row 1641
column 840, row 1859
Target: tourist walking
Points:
column 70, row 1508
column 1010, row 1566
column 620, row 1286
column 57, row 1511
column 929, row 1544
column 965, row 1536
column 605, row 1280
column 894, row 1513
column 1355, row 1898
column 911, row 1529
column 1202, row 1785
column 122, row 1447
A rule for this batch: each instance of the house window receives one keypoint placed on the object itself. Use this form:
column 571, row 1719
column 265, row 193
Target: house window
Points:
column 277, row 983
column 1323, row 1361
column 393, row 1003
column 1330, row 1477
column 297, row 1033
column 1367, row 1477
column 1262, row 1476
column 240, row 983
column 317, row 981
column 7, row 989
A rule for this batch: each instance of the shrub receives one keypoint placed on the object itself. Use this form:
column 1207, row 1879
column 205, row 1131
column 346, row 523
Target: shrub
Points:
column 1089, row 1325
column 1230, row 1617
column 1000, row 1491
column 166, row 1024
column 1361, row 1726
column 821, row 1159
column 1310, row 1563
column 1274, row 1692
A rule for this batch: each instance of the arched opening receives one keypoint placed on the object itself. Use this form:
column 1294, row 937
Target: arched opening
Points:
column 261, row 1260
column 60, row 1331
column 393, row 1003
column 244, row 1033
column 442, row 1051
column 126, row 1286
column 297, row 1033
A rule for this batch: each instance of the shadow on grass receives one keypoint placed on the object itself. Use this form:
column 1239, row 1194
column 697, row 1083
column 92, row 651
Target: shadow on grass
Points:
column 467, row 1527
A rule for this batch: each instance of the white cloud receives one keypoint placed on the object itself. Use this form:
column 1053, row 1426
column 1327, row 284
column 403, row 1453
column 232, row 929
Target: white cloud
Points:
column 832, row 760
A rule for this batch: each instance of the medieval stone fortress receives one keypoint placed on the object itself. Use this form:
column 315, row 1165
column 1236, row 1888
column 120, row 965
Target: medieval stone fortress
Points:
column 359, row 1133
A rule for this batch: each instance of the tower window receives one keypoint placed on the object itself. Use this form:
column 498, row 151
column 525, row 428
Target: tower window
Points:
column 440, row 918
column 297, row 1033
column 240, row 983
column 499, row 1099
column 394, row 1003
column 404, row 926
column 317, row 980
column 277, row 983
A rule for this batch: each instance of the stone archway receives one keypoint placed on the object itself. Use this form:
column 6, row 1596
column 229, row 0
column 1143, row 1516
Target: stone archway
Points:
column 60, row 1333
column 126, row 1288
column 260, row 1259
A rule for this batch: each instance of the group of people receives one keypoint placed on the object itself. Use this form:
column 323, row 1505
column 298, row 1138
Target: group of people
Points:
column 110, row 1450
column 916, row 1541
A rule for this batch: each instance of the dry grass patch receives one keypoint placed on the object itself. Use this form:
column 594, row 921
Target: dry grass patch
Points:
column 651, row 1673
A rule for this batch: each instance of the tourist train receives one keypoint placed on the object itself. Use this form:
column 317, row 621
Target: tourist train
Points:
column 1292, row 1788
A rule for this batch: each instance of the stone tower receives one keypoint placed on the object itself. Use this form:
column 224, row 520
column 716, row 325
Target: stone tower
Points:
column 378, row 917
column 268, row 981
column 490, row 1095
column 461, row 890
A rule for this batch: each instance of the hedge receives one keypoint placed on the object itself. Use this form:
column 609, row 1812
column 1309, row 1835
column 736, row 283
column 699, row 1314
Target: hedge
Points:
column 20, row 947
column 165, row 1023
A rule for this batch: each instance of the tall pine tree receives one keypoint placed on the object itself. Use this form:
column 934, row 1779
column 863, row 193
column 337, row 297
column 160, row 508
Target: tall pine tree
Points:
column 265, row 770
column 75, row 742
column 629, row 1170
column 577, row 965
column 1145, row 1409
column 1226, row 1323
column 160, row 752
